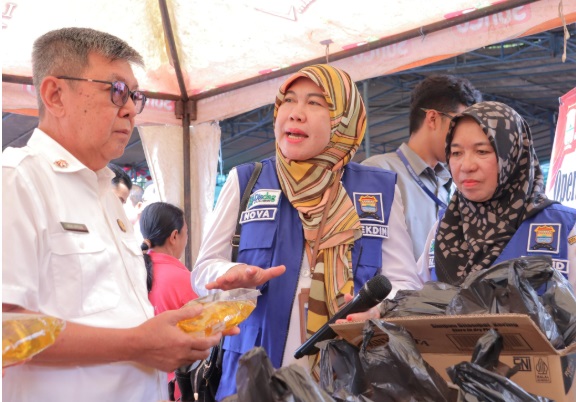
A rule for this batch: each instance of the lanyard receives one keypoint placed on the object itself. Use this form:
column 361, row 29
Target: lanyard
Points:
column 418, row 181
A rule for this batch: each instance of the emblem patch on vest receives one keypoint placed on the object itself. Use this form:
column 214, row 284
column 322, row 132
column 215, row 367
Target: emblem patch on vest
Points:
column 572, row 240
column 264, row 197
column 543, row 238
column 260, row 214
column 369, row 207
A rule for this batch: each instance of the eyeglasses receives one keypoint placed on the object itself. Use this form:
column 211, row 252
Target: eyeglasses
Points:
column 444, row 114
column 119, row 92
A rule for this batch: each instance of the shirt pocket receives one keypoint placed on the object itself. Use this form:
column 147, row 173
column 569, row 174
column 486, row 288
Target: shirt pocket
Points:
column 83, row 274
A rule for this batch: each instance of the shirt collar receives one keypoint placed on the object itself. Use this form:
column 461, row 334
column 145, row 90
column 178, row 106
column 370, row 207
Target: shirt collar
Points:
column 166, row 258
column 59, row 157
column 415, row 161
column 420, row 167
column 443, row 174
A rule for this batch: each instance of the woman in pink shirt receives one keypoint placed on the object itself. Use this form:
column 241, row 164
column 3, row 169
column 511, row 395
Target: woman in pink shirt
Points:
column 165, row 236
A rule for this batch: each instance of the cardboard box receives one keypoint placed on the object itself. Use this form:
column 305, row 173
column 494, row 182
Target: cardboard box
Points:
column 445, row 341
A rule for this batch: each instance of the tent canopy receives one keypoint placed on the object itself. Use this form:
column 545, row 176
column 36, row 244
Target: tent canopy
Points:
column 228, row 57
column 207, row 61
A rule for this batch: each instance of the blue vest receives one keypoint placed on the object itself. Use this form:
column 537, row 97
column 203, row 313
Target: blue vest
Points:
column 272, row 235
column 546, row 233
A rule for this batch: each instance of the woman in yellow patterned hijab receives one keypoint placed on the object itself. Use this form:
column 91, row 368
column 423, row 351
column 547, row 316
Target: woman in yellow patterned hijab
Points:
column 310, row 211
column 320, row 122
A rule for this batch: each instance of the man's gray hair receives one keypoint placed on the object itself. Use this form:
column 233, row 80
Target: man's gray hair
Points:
column 65, row 52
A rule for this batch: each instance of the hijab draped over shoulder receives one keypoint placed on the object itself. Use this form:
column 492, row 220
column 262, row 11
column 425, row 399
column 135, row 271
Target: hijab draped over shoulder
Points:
column 471, row 235
column 314, row 189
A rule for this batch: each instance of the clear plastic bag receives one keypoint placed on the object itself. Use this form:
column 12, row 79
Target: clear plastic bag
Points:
column 25, row 335
column 222, row 311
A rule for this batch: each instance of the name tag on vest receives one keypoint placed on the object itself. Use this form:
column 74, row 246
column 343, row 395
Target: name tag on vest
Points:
column 260, row 214
column 375, row 231
column 562, row 266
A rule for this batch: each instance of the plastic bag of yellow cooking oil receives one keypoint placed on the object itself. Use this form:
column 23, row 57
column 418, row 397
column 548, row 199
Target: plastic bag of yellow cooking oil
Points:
column 222, row 311
column 25, row 335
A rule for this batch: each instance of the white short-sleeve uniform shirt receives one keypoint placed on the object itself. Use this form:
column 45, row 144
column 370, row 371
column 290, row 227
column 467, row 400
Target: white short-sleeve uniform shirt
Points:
column 69, row 251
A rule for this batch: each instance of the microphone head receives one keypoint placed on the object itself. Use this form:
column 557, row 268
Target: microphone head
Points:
column 376, row 289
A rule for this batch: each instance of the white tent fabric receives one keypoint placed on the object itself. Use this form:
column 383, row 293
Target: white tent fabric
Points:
column 164, row 153
column 233, row 55
column 223, row 42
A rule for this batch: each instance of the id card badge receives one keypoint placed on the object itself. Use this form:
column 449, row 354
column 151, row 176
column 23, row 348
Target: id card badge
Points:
column 303, row 303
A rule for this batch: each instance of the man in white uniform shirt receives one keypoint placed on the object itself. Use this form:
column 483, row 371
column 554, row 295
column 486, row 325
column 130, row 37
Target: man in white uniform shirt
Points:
column 68, row 249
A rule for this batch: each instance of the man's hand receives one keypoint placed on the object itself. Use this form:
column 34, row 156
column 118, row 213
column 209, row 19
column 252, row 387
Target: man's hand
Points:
column 161, row 344
column 157, row 343
column 245, row 276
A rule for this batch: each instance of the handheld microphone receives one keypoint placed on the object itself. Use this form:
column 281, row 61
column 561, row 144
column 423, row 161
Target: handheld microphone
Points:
column 372, row 293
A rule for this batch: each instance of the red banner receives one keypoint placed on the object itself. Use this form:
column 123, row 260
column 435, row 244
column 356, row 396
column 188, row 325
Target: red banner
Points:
column 561, row 184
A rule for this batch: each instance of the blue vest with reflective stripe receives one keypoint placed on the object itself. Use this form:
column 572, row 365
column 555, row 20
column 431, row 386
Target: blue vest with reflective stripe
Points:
column 543, row 234
column 272, row 235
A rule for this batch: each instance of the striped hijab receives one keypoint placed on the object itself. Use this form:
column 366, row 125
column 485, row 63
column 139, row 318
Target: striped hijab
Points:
column 312, row 184
column 471, row 235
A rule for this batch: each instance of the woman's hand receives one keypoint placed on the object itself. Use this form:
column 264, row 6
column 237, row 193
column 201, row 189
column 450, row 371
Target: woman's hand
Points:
column 245, row 276
column 374, row 312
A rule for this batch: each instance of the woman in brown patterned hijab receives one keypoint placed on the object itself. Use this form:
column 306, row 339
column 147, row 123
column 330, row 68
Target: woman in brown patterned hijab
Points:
column 500, row 184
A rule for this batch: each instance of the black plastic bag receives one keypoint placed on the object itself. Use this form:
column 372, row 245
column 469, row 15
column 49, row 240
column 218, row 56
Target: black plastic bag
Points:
column 504, row 288
column 396, row 370
column 485, row 378
column 560, row 300
column 487, row 351
column 392, row 368
column 257, row 381
column 253, row 374
column 432, row 299
column 556, row 293
column 341, row 372
column 294, row 384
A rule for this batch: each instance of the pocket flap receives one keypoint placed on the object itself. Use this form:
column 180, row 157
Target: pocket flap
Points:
column 75, row 243
column 371, row 252
column 261, row 238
